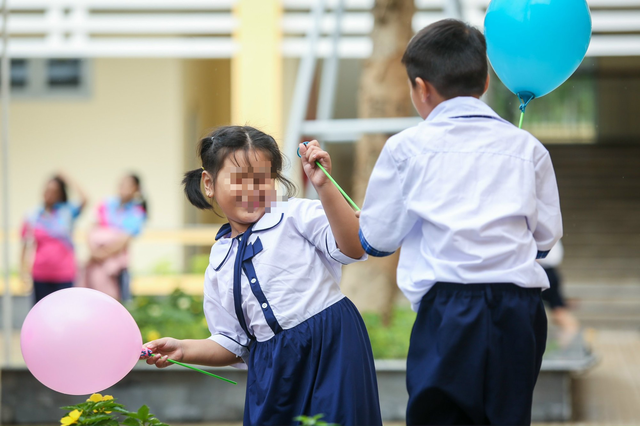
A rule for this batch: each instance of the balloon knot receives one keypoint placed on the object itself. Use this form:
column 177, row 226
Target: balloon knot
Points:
column 525, row 98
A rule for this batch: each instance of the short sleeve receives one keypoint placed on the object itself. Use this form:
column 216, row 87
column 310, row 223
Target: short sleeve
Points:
column 75, row 209
column 224, row 326
column 548, row 229
column 134, row 221
column 311, row 221
column 385, row 220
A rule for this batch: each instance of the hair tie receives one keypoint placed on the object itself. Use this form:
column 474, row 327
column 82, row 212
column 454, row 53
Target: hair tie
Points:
column 202, row 168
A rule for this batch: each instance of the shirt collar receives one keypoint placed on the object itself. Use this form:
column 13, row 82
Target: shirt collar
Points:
column 221, row 250
column 461, row 106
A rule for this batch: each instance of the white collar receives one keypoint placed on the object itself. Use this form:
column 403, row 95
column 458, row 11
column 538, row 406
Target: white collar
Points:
column 220, row 251
column 460, row 107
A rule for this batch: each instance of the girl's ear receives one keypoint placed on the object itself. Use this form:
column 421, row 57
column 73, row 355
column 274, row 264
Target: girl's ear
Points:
column 207, row 181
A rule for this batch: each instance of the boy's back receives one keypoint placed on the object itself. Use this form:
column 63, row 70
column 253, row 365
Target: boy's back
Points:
column 472, row 197
column 473, row 202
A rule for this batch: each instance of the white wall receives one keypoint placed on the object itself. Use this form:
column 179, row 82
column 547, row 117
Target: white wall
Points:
column 132, row 121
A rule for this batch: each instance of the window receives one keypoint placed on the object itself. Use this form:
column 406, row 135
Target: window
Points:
column 50, row 78
column 19, row 73
column 65, row 73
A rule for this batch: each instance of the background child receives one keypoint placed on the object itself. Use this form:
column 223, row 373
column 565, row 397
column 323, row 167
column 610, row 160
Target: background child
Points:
column 49, row 232
column 272, row 296
column 119, row 220
column 473, row 201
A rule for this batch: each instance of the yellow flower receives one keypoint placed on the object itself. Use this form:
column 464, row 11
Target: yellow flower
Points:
column 107, row 398
column 153, row 335
column 71, row 418
column 96, row 397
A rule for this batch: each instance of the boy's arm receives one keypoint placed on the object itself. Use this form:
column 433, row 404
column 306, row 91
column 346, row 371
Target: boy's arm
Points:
column 385, row 219
column 548, row 229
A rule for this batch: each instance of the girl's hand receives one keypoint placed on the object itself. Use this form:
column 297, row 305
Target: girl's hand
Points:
column 164, row 348
column 311, row 153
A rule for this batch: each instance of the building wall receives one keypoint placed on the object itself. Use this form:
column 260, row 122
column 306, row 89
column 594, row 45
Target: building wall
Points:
column 132, row 121
column 618, row 84
column 207, row 97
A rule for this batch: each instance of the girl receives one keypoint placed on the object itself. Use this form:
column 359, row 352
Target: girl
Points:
column 49, row 230
column 119, row 220
column 271, row 295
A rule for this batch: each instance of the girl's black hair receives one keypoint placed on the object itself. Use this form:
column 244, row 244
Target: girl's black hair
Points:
column 63, row 188
column 143, row 201
column 214, row 149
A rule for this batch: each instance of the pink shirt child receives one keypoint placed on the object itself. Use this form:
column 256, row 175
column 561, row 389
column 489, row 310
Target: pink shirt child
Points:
column 51, row 231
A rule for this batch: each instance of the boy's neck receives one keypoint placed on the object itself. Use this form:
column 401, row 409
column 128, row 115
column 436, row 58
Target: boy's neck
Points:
column 433, row 105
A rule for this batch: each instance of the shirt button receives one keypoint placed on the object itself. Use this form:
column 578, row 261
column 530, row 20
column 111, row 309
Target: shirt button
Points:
column 253, row 280
column 264, row 306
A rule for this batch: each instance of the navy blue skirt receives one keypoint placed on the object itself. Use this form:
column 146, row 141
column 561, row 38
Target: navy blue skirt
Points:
column 322, row 366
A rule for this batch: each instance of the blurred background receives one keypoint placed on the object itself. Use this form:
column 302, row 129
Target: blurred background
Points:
column 100, row 89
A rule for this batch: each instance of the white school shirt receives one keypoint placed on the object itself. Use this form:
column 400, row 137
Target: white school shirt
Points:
column 299, row 271
column 469, row 197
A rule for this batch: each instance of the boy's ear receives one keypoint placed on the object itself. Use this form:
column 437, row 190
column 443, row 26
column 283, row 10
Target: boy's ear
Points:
column 421, row 88
column 486, row 84
column 207, row 181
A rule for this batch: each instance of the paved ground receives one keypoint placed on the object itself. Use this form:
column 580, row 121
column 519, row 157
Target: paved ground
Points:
column 607, row 395
column 610, row 393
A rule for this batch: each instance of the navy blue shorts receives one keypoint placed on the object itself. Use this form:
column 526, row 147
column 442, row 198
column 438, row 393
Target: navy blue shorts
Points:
column 475, row 355
column 42, row 289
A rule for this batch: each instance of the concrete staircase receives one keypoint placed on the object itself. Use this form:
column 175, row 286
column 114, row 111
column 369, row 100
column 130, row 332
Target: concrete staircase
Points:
column 605, row 306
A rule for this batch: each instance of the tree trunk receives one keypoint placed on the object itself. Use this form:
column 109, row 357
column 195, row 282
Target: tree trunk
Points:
column 384, row 92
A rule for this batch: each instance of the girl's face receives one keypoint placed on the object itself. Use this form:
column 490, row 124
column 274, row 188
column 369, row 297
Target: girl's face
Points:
column 244, row 188
column 127, row 189
column 52, row 193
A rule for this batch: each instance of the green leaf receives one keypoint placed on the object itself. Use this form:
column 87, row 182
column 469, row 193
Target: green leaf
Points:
column 143, row 413
column 131, row 422
column 99, row 417
column 132, row 415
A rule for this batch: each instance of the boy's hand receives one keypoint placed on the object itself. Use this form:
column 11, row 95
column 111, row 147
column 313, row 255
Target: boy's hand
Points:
column 162, row 349
column 311, row 153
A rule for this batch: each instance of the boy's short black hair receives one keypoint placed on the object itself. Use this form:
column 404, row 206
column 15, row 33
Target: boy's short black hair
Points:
column 451, row 55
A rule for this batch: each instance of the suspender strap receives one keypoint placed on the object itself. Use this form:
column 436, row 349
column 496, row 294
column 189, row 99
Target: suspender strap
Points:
column 237, row 277
column 243, row 263
column 250, row 271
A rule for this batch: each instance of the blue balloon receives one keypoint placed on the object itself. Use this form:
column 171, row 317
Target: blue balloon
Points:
column 536, row 45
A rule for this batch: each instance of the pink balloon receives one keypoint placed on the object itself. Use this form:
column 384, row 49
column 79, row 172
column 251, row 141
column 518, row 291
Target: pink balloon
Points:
column 80, row 341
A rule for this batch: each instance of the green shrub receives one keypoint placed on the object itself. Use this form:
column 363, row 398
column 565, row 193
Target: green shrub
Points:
column 181, row 316
column 178, row 315
column 392, row 341
column 198, row 263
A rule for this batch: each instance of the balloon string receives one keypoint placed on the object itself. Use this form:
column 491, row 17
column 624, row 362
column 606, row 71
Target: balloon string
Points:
column 147, row 352
column 201, row 371
column 521, row 119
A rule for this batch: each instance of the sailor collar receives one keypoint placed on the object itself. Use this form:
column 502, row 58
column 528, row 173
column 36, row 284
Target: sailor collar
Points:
column 222, row 248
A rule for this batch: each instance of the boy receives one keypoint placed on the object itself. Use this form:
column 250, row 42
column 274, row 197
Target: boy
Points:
column 473, row 202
